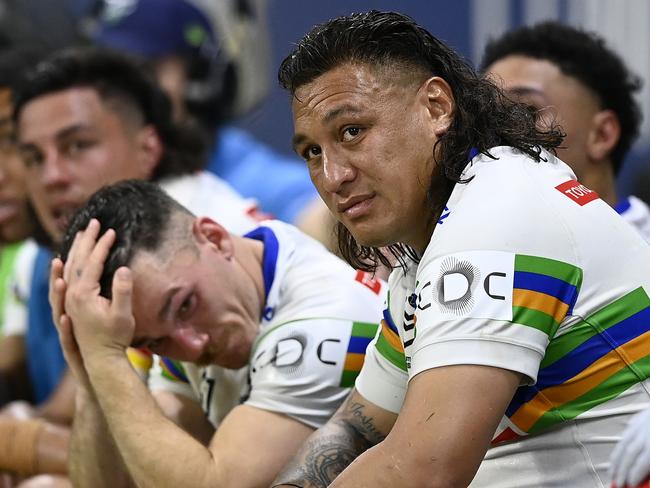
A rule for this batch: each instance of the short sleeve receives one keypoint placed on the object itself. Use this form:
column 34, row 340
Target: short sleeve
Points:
column 383, row 378
column 304, row 369
column 498, row 278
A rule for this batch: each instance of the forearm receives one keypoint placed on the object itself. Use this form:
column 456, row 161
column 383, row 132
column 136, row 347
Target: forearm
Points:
column 156, row 451
column 323, row 456
column 354, row 428
column 94, row 458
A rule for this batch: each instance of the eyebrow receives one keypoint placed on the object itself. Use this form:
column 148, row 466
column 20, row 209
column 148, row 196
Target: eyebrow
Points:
column 62, row 134
column 524, row 90
column 298, row 139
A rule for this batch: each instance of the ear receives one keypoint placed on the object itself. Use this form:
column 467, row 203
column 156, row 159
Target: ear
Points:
column 604, row 135
column 208, row 232
column 440, row 104
column 151, row 149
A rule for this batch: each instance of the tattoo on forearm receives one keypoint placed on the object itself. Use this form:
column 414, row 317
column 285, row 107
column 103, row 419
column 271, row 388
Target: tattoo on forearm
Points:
column 326, row 460
column 363, row 424
column 327, row 455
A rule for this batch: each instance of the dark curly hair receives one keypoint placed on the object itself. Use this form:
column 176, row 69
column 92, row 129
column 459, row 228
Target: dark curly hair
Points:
column 117, row 78
column 139, row 212
column 483, row 118
column 585, row 57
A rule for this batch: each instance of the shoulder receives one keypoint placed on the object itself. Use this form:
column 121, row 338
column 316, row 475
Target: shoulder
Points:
column 312, row 282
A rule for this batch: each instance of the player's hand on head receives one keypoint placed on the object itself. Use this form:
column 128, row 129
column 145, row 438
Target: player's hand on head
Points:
column 96, row 322
column 56, row 292
column 630, row 460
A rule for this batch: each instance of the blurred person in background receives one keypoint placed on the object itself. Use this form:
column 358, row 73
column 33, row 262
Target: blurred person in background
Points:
column 572, row 78
column 17, row 254
column 17, row 224
column 86, row 118
column 212, row 58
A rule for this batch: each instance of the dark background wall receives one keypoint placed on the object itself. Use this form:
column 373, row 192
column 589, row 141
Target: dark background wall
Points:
column 463, row 24
column 291, row 19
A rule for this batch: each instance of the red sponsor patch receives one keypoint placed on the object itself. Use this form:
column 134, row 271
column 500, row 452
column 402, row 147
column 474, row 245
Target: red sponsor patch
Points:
column 577, row 192
column 506, row 436
column 368, row 281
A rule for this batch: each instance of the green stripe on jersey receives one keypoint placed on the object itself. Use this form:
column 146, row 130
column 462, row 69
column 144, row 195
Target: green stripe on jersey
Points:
column 608, row 389
column 386, row 350
column 549, row 267
column 612, row 314
column 535, row 319
column 364, row 329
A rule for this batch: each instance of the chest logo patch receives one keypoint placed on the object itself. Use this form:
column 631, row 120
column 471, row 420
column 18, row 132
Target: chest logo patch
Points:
column 577, row 192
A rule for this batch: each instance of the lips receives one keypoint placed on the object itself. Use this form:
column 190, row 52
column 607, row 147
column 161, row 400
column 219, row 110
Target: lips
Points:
column 7, row 212
column 355, row 206
column 63, row 215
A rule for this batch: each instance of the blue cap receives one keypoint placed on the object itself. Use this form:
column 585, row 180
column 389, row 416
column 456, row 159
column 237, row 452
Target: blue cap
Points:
column 154, row 28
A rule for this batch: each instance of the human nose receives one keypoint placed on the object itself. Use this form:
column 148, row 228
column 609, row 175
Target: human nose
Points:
column 336, row 171
column 54, row 170
column 190, row 342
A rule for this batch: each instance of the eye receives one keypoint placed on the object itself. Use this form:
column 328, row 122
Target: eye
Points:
column 311, row 152
column 154, row 344
column 31, row 157
column 349, row 133
column 74, row 147
column 186, row 307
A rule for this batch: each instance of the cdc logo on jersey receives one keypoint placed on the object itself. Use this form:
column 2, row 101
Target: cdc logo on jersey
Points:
column 472, row 284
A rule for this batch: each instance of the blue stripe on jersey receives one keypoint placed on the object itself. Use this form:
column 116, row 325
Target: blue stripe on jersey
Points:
column 584, row 355
column 359, row 344
column 622, row 206
column 180, row 374
column 546, row 284
column 389, row 321
column 270, row 258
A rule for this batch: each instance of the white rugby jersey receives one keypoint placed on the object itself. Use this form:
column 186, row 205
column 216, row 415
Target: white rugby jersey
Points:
column 318, row 319
column 205, row 194
column 527, row 270
column 637, row 213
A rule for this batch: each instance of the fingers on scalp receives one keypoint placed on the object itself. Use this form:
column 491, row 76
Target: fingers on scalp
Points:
column 98, row 255
column 122, row 288
column 103, row 246
column 71, row 256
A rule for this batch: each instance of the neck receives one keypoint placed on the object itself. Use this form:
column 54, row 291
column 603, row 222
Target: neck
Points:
column 603, row 182
column 251, row 260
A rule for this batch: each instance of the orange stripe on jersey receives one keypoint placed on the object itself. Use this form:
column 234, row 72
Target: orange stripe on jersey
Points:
column 391, row 337
column 581, row 383
column 353, row 361
column 548, row 304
